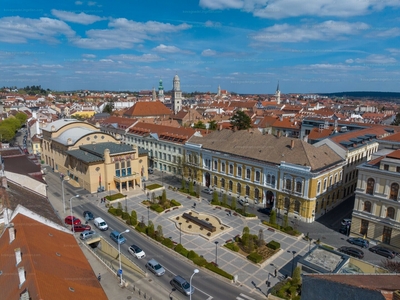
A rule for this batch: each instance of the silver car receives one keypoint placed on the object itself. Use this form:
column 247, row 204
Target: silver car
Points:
column 155, row 267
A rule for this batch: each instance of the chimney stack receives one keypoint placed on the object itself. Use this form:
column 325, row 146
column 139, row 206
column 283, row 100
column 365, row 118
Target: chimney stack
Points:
column 291, row 144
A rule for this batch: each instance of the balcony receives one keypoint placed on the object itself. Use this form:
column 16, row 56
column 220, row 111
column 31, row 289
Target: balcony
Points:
column 127, row 177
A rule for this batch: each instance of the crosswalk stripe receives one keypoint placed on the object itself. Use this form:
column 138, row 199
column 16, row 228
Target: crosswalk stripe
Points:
column 238, row 298
column 209, row 298
column 247, row 297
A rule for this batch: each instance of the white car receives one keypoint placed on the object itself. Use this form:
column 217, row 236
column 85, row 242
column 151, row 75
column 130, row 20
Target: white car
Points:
column 136, row 251
column 244, row 202
column 208, row 191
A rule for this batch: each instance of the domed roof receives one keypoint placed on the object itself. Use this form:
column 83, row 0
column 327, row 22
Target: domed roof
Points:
column 176, row 77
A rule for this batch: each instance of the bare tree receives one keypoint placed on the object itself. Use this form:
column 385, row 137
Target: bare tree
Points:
column 390, row 265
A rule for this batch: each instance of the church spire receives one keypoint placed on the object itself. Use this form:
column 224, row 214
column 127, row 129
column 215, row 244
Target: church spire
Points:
column 277, row 87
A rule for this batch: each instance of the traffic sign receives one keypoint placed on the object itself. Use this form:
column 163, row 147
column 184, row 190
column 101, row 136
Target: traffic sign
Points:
column 120, row 272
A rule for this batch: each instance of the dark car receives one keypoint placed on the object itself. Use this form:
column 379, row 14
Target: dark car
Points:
column 352, row 251
column 80, row 228
column 71, row 219
column 344, row 229
column 383, row 251
column 265, row 210
column 88, row 215
column 359, row 242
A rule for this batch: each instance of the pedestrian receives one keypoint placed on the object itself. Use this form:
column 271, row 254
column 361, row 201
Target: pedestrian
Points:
column 99, row 277
column 275, row 273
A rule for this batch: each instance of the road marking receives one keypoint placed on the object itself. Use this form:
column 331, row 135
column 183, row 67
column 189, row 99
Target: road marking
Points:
column 209, row 298
column 247, row 297
column 238, row 298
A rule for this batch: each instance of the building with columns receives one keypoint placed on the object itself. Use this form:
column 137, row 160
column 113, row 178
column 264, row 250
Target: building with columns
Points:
column 92, row 159
column 176, row 95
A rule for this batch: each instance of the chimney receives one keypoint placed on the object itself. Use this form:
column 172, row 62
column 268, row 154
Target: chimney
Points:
column 18, row 255
column 11, row 232
column 291, row 144
column 21, row 275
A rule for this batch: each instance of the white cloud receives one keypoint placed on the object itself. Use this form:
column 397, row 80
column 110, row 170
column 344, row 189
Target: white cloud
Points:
column 106, row 60
column 327, row 30
column 88, row 55
column 394, row 51
column 208, row 52
column 92, row 3
column 20, row 30
column 277, row 9
column 137, row 58
column 390, row 33
column 80, row 18
column 53, row 66
column 123, row 33
column 376, row 59
column 212, row 24
column 78, row 2
column 349, row 61
column 166, row 49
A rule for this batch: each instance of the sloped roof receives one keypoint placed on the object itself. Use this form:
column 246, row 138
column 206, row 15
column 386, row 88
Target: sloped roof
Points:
column 147, row 109
column 268, row 148
column 59, row 124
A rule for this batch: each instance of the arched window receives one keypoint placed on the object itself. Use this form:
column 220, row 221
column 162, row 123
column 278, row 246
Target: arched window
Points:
column 239, row 171
column 297, row 204
column 256, row 193
column 370, row 186
column 390, row 212
column 258, row 176
column 319, row 187
column 239, row 188
column 394, row 191
column 273, row 180
column 288, row 184
column 367, row 206
column 215, row 164
column 223, row 183
column 223, row 167
column 325, row 184
column 299, row 186
column 230, row 169
column 287, row 203
column 268, row 178
column 215, row 180
column 247, row 190
column 248, row 171
column 230, row 185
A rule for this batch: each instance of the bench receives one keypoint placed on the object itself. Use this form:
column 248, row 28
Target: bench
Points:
column 204, row 224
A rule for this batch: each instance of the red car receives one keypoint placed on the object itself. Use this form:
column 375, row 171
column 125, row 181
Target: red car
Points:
column 80, row 228
column 68, row 220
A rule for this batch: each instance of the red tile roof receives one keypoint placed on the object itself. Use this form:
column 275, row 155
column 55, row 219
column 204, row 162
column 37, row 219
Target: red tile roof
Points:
column 147, row 109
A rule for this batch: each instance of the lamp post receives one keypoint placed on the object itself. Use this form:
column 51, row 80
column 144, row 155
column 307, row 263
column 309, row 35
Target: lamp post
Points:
column 126, row 204
column 66, row 178
column 72, row 218
column 148, row 215
column 294, row 253
column 195, row 271
column 180, row 233
column 216, row 253
column 119, row 254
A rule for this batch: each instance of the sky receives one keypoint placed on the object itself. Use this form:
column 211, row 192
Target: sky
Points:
column 243, row 46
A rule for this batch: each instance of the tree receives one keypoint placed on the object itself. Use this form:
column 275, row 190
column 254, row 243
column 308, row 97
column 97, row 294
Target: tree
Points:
column 183, row 184
column 272, row 217
column 391, row 265
column 212, row 125
column 285, row 221
column 215, row 198
column 246, row 230
column 199, row 125
column 225, row 199
column 190, row 187
column 163, row 197
column 133, row 217
column 296, row 276
column 396, row 121
column 159, row 232
column 233, row 203
column 198, row 190
column 21, row 117
column 108, row 108
column 150, row 229
column 240, row 120
column 7, row 134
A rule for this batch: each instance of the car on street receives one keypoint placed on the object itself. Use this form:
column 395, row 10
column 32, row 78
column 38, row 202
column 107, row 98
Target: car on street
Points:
column 69, row 220
column 80, row 228
column 182, row 285
column 88, row 215
column 352, row 251
column 359, row 242
column 136, row 251
column 150, row 170
column 343, row 229
column 383, row 251
column 265, row 210
column 243, row 202
column 117, row 237
column 155, row 267
column 207, row 191
column 346, row 222
column 100, row 223
column 87, row 234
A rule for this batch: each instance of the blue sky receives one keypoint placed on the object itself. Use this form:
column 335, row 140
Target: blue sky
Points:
column 245, row 46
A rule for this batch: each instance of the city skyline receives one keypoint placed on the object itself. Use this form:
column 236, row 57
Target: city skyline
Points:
column 244, row 46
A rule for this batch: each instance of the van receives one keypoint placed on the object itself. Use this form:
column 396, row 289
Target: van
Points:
column 117, row 237
column 87, row 234
column 100, row 224
column 182, row 285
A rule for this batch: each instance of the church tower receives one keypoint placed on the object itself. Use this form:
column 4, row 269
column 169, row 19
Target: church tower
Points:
column 278, row 95
column 176, row 94
column 161, row 91
column 219, row 91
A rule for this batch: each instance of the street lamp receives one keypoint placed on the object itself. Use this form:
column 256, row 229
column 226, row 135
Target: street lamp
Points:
column 119, row 254
column 66, row 178
column 294, row 253
column 216, row 254
column 180, row 233
column 72, row 218
column 148, row 215
column 195, row 271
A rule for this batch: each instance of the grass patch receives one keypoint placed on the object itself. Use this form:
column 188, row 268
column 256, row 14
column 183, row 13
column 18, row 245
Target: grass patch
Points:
column 115, row 197
column 153, row 186
column 232, row 246
column 289, row 230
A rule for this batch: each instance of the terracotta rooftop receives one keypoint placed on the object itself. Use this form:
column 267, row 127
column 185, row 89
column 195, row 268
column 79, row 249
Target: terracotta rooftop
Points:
column 147, row 109
column 395, row 154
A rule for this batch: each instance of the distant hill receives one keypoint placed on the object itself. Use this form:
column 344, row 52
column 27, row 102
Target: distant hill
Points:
column 374, row 95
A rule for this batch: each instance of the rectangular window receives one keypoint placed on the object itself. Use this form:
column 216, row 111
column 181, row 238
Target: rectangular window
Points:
column 398, row 169
column 386, row 167
column 386, row 235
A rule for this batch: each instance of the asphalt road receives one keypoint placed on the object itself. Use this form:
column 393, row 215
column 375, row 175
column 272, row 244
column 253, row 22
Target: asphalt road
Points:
column 207, row 286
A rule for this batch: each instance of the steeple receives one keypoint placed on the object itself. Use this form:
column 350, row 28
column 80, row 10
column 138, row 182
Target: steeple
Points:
column 176, row 94
column 160, row 91
column 277, row 87
column 219, row 90
column 278, row 94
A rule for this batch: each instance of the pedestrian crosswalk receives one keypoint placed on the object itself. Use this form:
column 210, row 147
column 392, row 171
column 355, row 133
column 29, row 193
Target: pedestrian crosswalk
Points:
column 245, row 297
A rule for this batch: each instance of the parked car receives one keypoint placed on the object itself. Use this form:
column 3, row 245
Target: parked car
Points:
column 346, row 222
column 100, row 223
column 207, row 191
column 87, row 234
column 243, row 202
column 117, row 237
column 265, row 210
column 72, row 220
column 136, row 251
column 352, row 251
column 155, row 267
column 182, row 285
column 150, row 171
column 343, row 229
column 80, row 228
column 383, row 251
column 359, row 242
column 88, row 215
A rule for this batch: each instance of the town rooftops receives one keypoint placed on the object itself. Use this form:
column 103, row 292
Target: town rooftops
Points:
column 72, row 135
column 147, row 109
column 56, row 125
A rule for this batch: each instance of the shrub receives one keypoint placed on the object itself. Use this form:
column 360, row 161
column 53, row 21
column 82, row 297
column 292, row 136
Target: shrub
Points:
column 118, row 212
column 208, row 233
column 232, row 246
column 272, row 217
column 178, row 248
column 168, row 243
column 254, row 257
column 276, row 226
column 128, row 222
column 156, row 207
column 222, row 228
column 177, row 218
column 115, row 197
column 192, row 255
column 190, row 226
column 111, row 210
column 200, row 261
column 175, row 203
column 274, row 245
column 133, row 217
column 133, row 221
column 153, row 186
column 217, row 270
column 141, row 227
column 125, row 216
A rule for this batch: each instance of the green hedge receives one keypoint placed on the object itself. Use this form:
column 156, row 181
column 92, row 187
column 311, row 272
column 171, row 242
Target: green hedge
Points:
column 174, row 203
column 255, row 257
column 156, row 207
column 200, row 261
column 115, row 197
column 112, row 211
column 153, row 186
column 274, row 245
column 118, row 212
column 217, row 270
column 192, row 255
column 141, row 228
column 168, row 243
column 125, row 216
column 232, row 246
